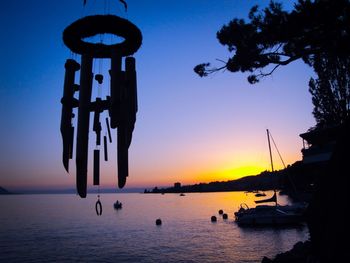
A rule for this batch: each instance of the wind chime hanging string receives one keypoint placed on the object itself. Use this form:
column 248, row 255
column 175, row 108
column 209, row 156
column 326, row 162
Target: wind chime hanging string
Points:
column 97, row 129
column 121, row 104
column 122, row 1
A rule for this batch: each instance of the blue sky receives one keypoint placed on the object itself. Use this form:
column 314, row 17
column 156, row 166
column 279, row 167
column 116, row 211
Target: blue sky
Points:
column 189, row 129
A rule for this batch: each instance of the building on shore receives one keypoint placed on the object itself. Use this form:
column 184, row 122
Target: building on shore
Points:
column 318, row 144
column 177, row 186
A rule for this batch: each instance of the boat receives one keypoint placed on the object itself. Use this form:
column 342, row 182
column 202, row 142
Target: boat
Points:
column 117, row 205
column 268, row 215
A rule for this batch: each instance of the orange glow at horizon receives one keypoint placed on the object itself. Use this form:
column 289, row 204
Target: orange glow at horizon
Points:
column 204, row 173
column 202, row 163
column 199, row 165
column 228, row 174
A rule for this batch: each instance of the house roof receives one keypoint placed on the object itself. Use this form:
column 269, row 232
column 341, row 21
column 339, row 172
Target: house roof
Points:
column 321, row 135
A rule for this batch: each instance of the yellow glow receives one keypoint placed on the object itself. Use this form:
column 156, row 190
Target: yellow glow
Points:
column 201, row 165
column 228, row 174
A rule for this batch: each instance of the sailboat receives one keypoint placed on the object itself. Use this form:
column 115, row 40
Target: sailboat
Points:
column 268, row 215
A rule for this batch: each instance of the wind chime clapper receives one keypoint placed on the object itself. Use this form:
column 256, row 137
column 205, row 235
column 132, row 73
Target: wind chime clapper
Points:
column 121, row 104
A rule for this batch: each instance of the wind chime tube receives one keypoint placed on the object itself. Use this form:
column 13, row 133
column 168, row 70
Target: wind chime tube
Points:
column 96, row 167
column 68, row 100
column 86, row 77
column 131, row 90
column 116, row 89
column 123, row 158
column 130, row 68
column 97, row 127
column 105, row 148
column 126, row 127
column 71, row 142
column 108, row 130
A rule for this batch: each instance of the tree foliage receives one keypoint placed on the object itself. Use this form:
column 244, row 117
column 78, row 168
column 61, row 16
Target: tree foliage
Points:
column 274, row 37
column 316, row 31
column 331, row 91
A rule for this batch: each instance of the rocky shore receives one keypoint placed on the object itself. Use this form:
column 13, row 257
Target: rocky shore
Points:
column 300, row 253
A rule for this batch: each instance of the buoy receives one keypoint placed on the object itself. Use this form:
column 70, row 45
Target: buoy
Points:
column 224, row 216
column 221, row 212
column 213, row 219
column 158, row 222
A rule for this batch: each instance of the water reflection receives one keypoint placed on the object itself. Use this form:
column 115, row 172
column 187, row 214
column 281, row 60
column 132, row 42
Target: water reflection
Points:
column 46, row 225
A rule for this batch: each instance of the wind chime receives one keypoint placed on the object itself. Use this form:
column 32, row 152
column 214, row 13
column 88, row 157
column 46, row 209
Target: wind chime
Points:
column 121, row 104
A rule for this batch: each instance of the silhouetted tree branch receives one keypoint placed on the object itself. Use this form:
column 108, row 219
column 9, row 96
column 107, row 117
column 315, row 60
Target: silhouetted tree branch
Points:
column 318, row 32
column 274, row 37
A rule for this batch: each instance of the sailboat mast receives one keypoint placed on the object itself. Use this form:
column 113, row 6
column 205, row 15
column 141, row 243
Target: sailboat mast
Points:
column 268, row 140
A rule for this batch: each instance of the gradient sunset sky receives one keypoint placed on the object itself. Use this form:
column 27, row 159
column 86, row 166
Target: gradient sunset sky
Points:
column 189, row 129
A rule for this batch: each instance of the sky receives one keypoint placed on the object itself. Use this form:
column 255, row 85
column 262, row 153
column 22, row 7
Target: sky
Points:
column 189, row 129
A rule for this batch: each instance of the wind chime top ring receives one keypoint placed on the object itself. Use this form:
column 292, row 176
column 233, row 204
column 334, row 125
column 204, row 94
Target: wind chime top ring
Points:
column 90, row 26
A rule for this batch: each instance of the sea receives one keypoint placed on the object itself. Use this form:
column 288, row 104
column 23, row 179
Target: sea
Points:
column 66, row 228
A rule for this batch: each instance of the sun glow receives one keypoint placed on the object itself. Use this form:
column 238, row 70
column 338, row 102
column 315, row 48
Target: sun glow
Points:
column 228, row 173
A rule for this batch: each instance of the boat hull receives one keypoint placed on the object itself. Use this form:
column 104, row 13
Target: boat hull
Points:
column 268, row 216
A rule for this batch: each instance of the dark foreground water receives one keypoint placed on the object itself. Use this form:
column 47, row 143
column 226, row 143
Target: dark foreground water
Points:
column 65, row 228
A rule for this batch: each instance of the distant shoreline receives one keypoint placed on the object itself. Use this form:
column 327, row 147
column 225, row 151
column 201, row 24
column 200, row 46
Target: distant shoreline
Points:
column 296, row 181
column 295, row 177
column 263, row 182
column 3, row 191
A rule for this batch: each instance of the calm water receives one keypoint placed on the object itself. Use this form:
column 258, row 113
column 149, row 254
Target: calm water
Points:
column 65, row 228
